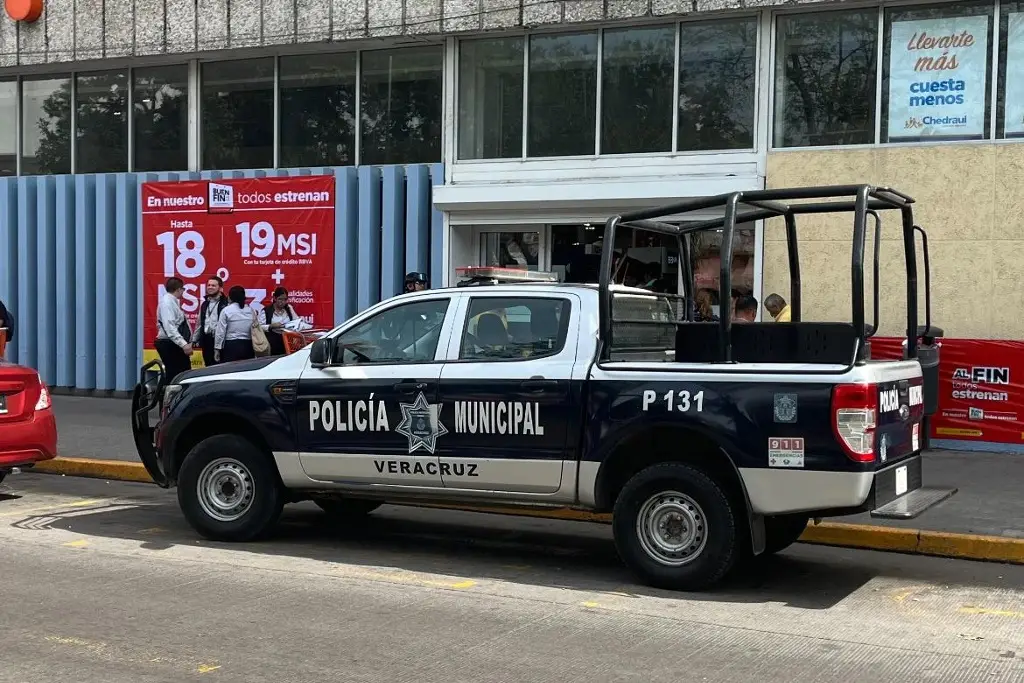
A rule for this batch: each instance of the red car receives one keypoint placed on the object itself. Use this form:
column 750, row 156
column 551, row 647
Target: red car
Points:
column 28, row 430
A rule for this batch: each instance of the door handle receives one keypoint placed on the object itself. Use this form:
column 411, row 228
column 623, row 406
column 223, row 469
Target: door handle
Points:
column 410, row 387
column 537, row 385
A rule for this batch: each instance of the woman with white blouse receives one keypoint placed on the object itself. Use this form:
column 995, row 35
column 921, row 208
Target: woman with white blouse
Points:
column 276, row 315
column 234, row 329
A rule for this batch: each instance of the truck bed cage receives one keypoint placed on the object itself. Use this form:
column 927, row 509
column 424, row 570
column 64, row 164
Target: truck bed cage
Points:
column 796, row 341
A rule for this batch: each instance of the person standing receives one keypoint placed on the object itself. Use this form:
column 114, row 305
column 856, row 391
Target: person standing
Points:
column 173, row 336
column 6, row 327
column 777, row 307
column 415, row 282
column 209, row 314
column 233, row 340
column 746, row 309
column 275, row 316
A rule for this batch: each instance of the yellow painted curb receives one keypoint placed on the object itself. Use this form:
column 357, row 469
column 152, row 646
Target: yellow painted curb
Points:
column 95, row 469
column 867, row 537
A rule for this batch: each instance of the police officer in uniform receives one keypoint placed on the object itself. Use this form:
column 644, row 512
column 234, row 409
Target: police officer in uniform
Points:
column 415, row 282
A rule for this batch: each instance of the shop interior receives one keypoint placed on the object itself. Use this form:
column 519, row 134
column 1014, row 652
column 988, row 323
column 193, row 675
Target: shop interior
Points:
column 573, row 253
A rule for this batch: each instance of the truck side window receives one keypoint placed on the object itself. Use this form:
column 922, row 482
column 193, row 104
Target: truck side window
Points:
column 515, row 328
column 404, row 334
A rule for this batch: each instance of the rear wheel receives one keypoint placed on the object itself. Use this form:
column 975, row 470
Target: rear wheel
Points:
column 343, row 509
column 228, row 489
column 675, row 527
column 782, row 531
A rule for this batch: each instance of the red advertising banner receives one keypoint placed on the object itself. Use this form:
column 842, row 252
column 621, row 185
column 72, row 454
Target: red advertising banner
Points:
column 256, row 232
column 981, row 388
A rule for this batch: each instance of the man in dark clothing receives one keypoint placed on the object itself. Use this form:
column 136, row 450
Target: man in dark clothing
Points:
column 209, row 313
column 6, row 322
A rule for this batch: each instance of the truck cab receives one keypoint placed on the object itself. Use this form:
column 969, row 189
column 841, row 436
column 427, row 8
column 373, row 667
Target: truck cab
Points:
column 707, row 442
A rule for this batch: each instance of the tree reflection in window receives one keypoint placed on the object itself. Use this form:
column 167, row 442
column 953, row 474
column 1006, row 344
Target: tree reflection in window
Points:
column 825, row 73
column 101, row 124
column 562, row 97
column 46, row 126
column 717, row 75
column 237, row 114
column 318, row 110
column 160, row 111
column 636, row 74
column 400, row 106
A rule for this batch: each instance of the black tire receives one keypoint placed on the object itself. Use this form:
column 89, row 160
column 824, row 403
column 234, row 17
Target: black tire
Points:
column 720, row 545
column 342, row 509
column 238, row 455
column 3, row 475
column 782, row 531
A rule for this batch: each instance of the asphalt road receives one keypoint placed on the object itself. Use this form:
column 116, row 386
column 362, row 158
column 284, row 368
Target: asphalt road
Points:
column 103, row 582
column 989, row 500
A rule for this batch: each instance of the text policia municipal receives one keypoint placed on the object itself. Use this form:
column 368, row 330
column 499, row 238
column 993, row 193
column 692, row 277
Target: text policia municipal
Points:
column 471, row 417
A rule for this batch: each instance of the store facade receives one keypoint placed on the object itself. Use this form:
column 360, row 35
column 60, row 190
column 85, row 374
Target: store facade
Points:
column 536, row 121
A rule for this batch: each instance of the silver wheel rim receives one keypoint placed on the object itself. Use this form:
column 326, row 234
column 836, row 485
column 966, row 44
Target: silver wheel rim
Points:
column 225, row 489
column 671, row 528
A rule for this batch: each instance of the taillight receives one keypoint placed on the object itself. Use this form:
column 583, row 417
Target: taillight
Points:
column 854, row 417
column 44, row 397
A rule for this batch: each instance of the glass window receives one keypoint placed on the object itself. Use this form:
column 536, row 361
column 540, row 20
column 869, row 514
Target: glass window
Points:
column 400, row 106
column 160, row 111
column 510, row 249
column 404, row 334
column 318, row 110
column 237, row 113
column 706, row 263
column 8, row 132
column 636, row 90
column 101, row 123
column 515, row 329
column 936, row 66
column 1010, row 95
column 717, row 75
column 562, row 95
column 825, row 70
column 46, row 126
column 491, row 98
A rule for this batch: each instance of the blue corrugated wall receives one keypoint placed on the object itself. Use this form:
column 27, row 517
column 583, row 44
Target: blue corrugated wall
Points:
column 70, row 260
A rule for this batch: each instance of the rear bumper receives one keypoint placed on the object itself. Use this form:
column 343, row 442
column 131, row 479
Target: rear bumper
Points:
column 782, row 491
column 29, row 441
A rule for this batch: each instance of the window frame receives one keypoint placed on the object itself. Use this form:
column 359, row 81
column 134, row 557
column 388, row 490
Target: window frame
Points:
column 374, row 313
column 563, row 325
column 996, row 75
column 763, row 42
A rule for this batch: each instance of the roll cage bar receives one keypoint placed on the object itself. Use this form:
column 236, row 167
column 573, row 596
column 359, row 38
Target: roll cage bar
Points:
column 745, row 207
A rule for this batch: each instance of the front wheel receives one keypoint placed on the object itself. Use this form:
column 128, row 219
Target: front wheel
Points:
column 675, row 527
column 228, row 489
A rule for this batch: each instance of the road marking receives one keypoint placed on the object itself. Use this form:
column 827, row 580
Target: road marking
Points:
column 905, row 593
column 409, row 579
column 76, row 544
column 207, row 668
column 971, row 609
column 26, row 512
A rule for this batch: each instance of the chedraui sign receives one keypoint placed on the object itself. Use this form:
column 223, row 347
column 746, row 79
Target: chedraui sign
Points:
column 937, row 78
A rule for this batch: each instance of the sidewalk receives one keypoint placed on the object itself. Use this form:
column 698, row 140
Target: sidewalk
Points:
column 990, row 500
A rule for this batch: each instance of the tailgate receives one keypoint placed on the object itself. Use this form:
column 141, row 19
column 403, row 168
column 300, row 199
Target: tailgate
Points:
column 900, row 417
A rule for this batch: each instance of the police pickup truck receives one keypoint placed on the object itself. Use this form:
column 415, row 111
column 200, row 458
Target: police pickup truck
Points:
column 709, row 442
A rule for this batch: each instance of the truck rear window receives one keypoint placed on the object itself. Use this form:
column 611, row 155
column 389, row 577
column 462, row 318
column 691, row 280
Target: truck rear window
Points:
column 645, row 325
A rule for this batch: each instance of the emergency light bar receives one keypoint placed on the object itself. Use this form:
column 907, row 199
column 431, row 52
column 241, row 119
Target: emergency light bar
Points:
column 494, row 275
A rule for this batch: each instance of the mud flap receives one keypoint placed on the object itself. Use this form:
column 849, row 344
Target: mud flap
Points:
column 147, row 396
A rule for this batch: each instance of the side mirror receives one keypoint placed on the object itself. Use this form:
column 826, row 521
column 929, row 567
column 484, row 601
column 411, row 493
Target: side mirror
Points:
column 320, row 352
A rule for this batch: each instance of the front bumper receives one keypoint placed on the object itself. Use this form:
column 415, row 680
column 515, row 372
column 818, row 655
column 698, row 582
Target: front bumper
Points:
column 27, row 442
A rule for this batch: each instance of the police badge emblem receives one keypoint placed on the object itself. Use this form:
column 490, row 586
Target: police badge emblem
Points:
column 421, row 424
column 785, row 408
